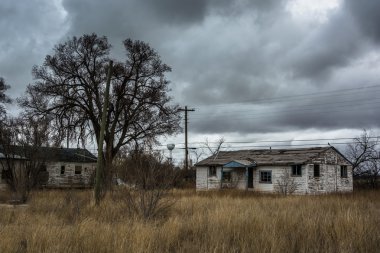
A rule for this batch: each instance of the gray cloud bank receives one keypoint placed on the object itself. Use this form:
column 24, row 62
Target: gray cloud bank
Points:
column 225, row 52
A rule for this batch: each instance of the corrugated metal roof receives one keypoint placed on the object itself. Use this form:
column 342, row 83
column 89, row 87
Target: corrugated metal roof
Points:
column 265, row 156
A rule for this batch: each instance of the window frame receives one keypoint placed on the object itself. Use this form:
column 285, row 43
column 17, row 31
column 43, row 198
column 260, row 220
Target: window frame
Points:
column 266, row 181
column 317, row 167
column 212, row 171
column 76, row 171
column 227, row 176
column 343, row 171
column 297, row 168
column 63, row 170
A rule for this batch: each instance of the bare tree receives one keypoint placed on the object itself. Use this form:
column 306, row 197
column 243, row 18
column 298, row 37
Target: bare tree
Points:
column 150, row 179
column 4, row 99
column 286, row 184
column 71, row 84
column 365, row 157
column 214, row 149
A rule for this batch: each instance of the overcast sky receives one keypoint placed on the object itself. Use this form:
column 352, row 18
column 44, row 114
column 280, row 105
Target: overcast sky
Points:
column 252, row 69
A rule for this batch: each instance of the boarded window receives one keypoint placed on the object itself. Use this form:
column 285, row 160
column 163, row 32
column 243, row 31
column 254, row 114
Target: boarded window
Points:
column 62, row 169
column 343, row 171
column 212, row 171
column 78, row 169
column 297, row 170
column 266, row 177
column 317, row 171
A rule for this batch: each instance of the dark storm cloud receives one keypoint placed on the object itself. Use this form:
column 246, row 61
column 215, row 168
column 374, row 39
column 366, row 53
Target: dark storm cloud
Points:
column 366, row 15
column 325, row 48
column 28, row 29
column 221, row 52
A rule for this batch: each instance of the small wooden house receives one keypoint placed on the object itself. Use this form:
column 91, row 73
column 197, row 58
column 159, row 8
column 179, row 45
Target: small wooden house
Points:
column 301, row 171
column 59, row 167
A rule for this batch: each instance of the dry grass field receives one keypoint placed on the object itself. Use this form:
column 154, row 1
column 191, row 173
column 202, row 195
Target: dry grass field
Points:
column 59, row 221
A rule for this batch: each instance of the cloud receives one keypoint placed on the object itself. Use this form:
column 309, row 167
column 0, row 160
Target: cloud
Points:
column 29, row 28
column 229, row 58
column 366, row 16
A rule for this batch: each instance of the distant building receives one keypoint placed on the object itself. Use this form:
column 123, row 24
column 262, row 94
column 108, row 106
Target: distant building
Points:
column 315, row 170
column 59, row 167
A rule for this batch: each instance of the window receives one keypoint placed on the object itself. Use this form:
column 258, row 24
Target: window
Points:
column 343, row 171
column 43, row 168
column 62, row 169
column 266, row 177
column 227, row 176
column 317, row 171
column 212, row 171
column 78, row 169
column 297, row 170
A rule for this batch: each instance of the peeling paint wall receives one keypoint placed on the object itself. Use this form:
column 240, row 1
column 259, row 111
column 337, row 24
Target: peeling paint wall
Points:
column 329, row 180
column 69, row 178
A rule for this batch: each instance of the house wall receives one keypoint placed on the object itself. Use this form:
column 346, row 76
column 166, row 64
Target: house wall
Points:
column 330, row 179
column 18, row 169
column 278, row 173
column 69, row 178
column 201, row 178
column 206, row 182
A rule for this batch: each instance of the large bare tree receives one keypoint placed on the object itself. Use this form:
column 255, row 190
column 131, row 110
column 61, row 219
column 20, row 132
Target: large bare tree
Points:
column 70, row 87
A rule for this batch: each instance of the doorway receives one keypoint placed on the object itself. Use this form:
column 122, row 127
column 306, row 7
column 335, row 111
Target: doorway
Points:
column 250, row 177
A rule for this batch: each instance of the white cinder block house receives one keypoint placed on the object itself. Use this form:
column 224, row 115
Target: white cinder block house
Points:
column 59, row 167
column 306, row 170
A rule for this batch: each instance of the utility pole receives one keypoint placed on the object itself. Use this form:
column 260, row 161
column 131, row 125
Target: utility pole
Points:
column 186, row 148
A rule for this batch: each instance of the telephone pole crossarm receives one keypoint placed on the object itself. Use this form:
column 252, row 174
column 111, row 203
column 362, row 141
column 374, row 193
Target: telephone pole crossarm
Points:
column 186, row 110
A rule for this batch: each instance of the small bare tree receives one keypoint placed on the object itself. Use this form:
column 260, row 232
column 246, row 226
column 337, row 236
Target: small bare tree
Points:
column 150, row 180
column 365, row 157
column 214, row 149
column 286, row 185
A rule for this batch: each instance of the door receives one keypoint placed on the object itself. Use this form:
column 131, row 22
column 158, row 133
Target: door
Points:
column 250, row 177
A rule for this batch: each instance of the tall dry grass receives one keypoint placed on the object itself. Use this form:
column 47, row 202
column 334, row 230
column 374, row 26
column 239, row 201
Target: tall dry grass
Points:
column 58, row 221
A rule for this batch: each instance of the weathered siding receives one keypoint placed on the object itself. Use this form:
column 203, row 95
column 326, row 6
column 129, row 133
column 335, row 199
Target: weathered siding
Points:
column 206, row 182
column 277, row 173
column 213, row 182
column 201, row 178
column 69, row 178
column 330, row 179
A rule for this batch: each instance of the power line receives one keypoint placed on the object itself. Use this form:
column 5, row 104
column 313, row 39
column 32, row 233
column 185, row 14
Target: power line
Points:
column 342, row 91
column 315, row 105
column 275, row 113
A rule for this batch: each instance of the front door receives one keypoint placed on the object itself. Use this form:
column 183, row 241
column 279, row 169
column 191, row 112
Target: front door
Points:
column 250, row 177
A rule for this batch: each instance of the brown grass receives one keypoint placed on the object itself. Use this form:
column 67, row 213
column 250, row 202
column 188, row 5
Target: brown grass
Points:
column 59, row 221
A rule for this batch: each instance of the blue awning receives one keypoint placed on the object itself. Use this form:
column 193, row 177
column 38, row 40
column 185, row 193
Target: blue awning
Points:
column 240, row 164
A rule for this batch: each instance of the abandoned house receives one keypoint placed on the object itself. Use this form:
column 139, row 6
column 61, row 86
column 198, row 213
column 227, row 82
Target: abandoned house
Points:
column 301, row 171
column 57, row 167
